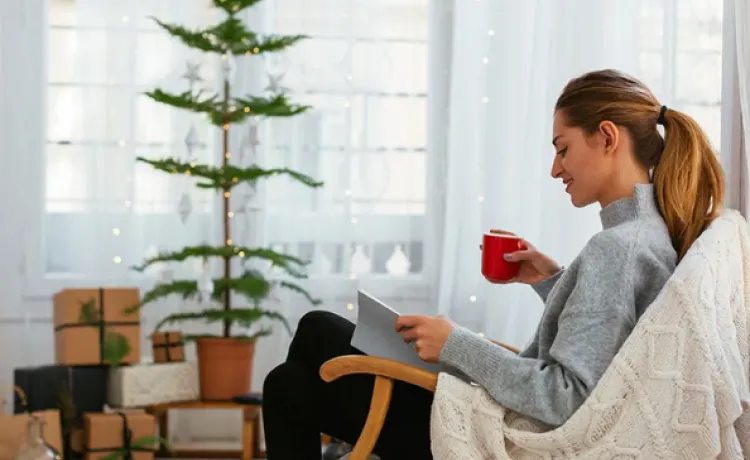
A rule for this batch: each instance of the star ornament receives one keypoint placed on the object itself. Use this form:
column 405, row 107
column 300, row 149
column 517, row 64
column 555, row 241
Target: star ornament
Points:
column 192, row 73
column 274, row 84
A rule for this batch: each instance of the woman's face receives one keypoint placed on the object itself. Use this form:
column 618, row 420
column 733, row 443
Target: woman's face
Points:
column 581, row 162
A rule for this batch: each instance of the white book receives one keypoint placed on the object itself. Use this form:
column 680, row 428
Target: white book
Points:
column 375, row 334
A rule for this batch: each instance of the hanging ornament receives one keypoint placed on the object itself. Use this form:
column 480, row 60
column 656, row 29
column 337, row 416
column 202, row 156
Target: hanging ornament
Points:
column 205, row 282
column 227, row 67
column 398, row 263
column 191, row 140
column 185, row 207
column 192, row 74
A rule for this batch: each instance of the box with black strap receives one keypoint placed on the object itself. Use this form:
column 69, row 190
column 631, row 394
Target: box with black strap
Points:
column 92, row 326
column 168, row 347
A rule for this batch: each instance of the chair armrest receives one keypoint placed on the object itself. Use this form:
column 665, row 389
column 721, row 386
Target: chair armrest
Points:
column 394, row 370
column 507, row 347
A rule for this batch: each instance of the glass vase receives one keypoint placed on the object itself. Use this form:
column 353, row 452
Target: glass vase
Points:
column 35, row 447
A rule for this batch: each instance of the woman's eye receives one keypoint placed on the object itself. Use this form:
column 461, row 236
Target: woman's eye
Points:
column 562, row 152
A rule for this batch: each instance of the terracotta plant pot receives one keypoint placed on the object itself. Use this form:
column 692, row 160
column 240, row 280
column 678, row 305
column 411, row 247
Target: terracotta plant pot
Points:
column 225, row 367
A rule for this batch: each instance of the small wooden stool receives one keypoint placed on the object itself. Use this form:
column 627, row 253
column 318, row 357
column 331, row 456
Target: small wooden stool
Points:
column 250, row 428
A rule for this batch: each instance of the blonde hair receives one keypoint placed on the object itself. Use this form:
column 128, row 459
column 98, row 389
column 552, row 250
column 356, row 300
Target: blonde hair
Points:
column 687, row 175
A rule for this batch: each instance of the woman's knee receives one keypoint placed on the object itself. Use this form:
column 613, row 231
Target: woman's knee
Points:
column 319, row 335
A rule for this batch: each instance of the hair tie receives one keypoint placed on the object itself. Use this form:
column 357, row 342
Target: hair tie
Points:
column 661, row 120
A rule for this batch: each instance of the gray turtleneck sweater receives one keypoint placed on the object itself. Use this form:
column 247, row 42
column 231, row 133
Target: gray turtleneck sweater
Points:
column 590, row 309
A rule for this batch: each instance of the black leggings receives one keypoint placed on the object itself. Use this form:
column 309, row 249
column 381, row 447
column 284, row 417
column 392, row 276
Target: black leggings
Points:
column 298, row 405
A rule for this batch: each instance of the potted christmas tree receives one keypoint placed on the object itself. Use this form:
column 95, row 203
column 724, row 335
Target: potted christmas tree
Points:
column 225, row 360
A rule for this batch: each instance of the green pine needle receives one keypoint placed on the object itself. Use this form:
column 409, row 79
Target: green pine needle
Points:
column 225, row 178
column 243, row 317
column 299, row 290
column 229, row 37
column 284, row 261
column 234, row 6
column 250, row 285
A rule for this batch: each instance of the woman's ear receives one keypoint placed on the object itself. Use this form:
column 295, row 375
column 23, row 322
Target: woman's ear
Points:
column 610, row 135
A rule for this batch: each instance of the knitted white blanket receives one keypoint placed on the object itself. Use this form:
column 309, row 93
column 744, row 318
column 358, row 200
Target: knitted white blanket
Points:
column 679, row 387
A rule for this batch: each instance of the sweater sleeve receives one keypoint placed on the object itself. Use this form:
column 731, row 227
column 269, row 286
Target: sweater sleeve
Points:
column 595, row 321
column 543, row 288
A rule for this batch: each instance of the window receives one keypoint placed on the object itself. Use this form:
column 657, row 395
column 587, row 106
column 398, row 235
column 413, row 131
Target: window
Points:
column 364, row 71
column 103, row 211
column 681, row 60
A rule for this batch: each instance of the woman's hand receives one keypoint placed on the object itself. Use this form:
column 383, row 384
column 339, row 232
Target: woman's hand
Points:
column 428, row 333
column 534, row 266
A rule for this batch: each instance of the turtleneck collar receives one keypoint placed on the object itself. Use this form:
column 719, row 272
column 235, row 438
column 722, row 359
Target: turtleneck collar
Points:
column 641, row 204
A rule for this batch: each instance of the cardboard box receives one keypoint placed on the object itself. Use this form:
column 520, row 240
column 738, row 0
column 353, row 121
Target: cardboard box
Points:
column 150, row 384
column 168, row 347
column 89, row 323
column 13, row 430
column 104, row 434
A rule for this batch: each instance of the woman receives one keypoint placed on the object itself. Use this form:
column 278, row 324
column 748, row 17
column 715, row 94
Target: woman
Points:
column 657, row 196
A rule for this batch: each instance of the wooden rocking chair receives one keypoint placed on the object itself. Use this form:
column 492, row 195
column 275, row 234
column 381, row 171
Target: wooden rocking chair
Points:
column 385, row 372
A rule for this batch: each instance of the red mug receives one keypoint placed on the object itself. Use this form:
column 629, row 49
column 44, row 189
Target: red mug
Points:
column 494, row 247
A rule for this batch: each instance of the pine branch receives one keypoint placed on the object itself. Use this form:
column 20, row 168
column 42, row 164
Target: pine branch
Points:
column 220, row 114
column 299, row 290
column 275, row 106
column 283, row 261
column 229, row 37
column 234, row 6
column 251, row 285
column 244, row 317
column 228, row 177
column 186, row 100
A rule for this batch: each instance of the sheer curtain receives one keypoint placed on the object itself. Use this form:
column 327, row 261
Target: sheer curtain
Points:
column 103, row 212
column 491, row 140
column 741, row 152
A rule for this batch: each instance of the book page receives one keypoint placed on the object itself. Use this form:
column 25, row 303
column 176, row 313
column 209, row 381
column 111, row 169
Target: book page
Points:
column 375, row 334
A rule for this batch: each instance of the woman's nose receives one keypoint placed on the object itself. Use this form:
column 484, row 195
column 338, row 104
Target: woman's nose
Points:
column 557, row 168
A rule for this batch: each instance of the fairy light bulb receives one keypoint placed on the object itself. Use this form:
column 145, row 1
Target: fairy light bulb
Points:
column 226, row 194
column 480, row 198
column 116, row 231
column 350, row 306
column 230, row 214
column 117, row 259
column 473, row 298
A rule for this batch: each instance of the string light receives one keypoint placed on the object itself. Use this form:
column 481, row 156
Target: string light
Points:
column 352, row 276
column 347, row 104
column 227, row 155
column 230, row 214
column 480, row 198
column 226, row 194
column 232, row 108
column 485, row 60
column 226, row 127
column 349, row 77
column 242, row 253
column 117, row 259
column 354, row 220
column 127, row 203
column 481, row 334
column 125, row 19
column 256, row 50
column 116, row 231
column 350, row 306
column 247, row 109
column 229, row 242
column 187, row 172
column 485, row 99
column 122, row 143
column 473, row 298
column 491, row 32
column 192, row 164
column 224, row 57
column 347, row 192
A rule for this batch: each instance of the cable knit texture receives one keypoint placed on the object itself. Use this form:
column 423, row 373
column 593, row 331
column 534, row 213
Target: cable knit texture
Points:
column 679, row 387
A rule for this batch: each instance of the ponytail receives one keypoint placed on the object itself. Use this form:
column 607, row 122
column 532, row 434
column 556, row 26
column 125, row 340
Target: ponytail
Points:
column 688, row 180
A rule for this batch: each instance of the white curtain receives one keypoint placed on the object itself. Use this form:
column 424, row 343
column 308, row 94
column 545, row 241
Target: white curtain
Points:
column 741, row 151
column 506, row 64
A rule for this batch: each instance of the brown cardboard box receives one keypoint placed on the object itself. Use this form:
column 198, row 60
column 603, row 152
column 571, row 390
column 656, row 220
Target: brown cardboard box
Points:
column 13, row 429
column 81, row 343
column 168, row 347
column 104, row 434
